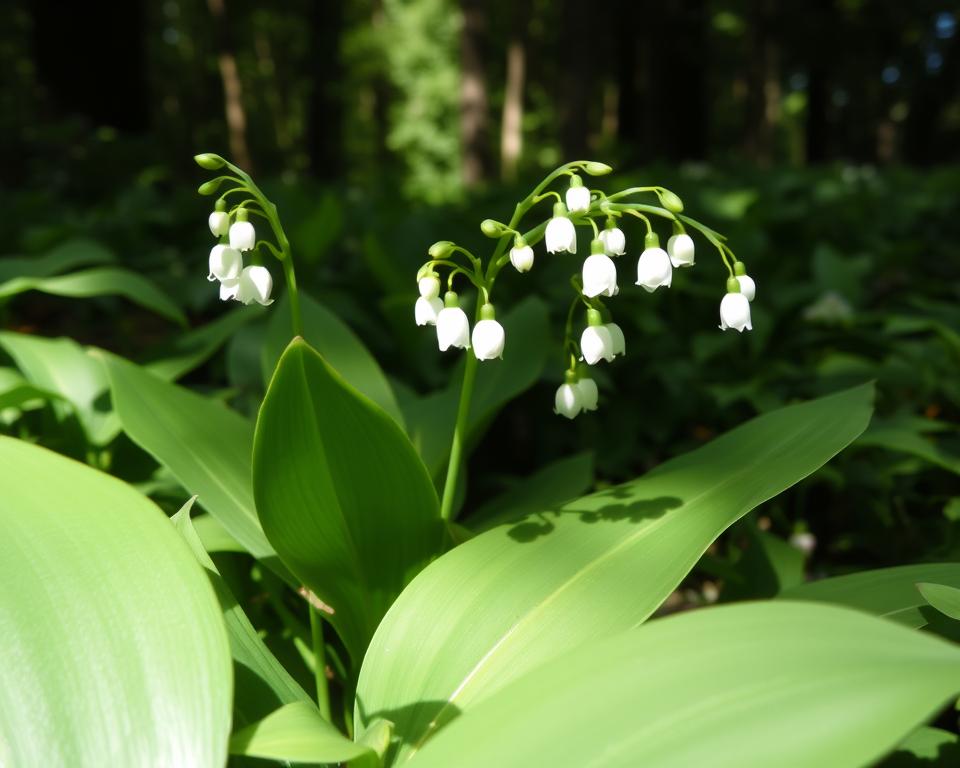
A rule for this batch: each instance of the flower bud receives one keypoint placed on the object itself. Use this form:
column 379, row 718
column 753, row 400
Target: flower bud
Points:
column 681, row 250
column 426, row 310
column 453, row 328
column 492, row 228
column 521, row 257
column 597, row 169
column 599, row 274
column 735, row 312
column 242, row 235
column 219, row 223
column 440, row 249
column 256, row 284
column 488, row 335
column 560, row 235
column 209, row 161
column 209, row 187
column 578, row 196
column 670, row 201
column 226, row 263
column 429, row 286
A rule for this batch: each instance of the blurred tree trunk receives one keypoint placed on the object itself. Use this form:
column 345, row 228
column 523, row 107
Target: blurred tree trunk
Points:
column 325, row 109
column 474, row 111
column 511, row 128
column 232, row 89
column 763, row 83
column 86, row 67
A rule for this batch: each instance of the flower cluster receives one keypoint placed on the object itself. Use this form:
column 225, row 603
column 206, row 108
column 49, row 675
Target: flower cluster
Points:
column 601, row 339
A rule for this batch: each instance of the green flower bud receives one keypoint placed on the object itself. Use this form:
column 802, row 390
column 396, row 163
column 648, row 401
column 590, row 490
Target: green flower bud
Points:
column 209, row 187
column 209, row 161
column 597, row 169
column 440, row 249
column 670, row 201
column 491, row 228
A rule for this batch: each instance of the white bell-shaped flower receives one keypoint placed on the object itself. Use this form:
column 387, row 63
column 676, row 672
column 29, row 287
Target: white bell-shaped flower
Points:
column 614, row 241
column 488, row 335
column 596, row 344
column 453, row 328
column 681, row 250
column 654, row 268
column 619, row 343
column 560, row 235
column 521, row 256
column 426, row 310
column 225, row 263
column 578, row 196
column 747, row 287
column 735, row 309
column 429, row 286
column 255, row 285
column 567, row 401
column 588, row 393
column 219, row 223
column 243, row 237
column 599, row 273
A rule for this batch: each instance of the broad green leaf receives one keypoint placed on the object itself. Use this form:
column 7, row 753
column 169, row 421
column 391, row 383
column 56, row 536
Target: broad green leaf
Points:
column 17, row 392
column 214, row 536
column 63, row 367
column 191, row 349
column 905, row 438
column 520, row 594
column 945, row 599
column 113, row 644
column 340, row 347
column 887, row 592
column 341, row 493
column 298, row 734
column 755, row 685
column 926, row 748
column 430, row 419
column 554, row 484
column 100, row 281
column 203, row 443
column 262, row 683
column 67, row 255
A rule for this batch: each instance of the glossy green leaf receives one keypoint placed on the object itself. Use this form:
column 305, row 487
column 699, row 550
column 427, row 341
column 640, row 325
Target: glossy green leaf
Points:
column 341, row 493
column 430, row 419
column 113, row 644
column 298, row 734
column 340, row 347
column 203, row 443
column 791, row 685
column 520, row 594
column 63, row 367
column 67, row 255
column 887, row 592
column 99, row 281
column 262, row 684
column 926, row 748
column 945, row 599
column 17, row 392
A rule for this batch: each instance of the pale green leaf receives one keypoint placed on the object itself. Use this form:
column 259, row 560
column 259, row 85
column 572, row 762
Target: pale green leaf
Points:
column 945, row 599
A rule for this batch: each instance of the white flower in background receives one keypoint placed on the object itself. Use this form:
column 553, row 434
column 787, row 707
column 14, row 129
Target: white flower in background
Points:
column 578, row 196
column 599, row 273
column 567, row 402
column 561, row 235
column 831, row 307
column 521, row 255
column 242, row 235
column 735, row 309
column 429, row 286
column 488, row 335
column 587, row 393
column 596, row 343
column 653, row 267
column 613, row 239
column 453, row 328
column 426, row 310
column 219, row 223
column 681, row 250
column 225, row 263
column 255, row 285
column 619, row 343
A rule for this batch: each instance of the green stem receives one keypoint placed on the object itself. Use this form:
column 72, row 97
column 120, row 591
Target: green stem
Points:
column 320, row 664
column 459, row 436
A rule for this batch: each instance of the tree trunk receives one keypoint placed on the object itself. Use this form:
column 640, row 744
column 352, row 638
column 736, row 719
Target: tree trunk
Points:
column 763, row 82
column 234, row 112
column 474, row 114
column 511, row 128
